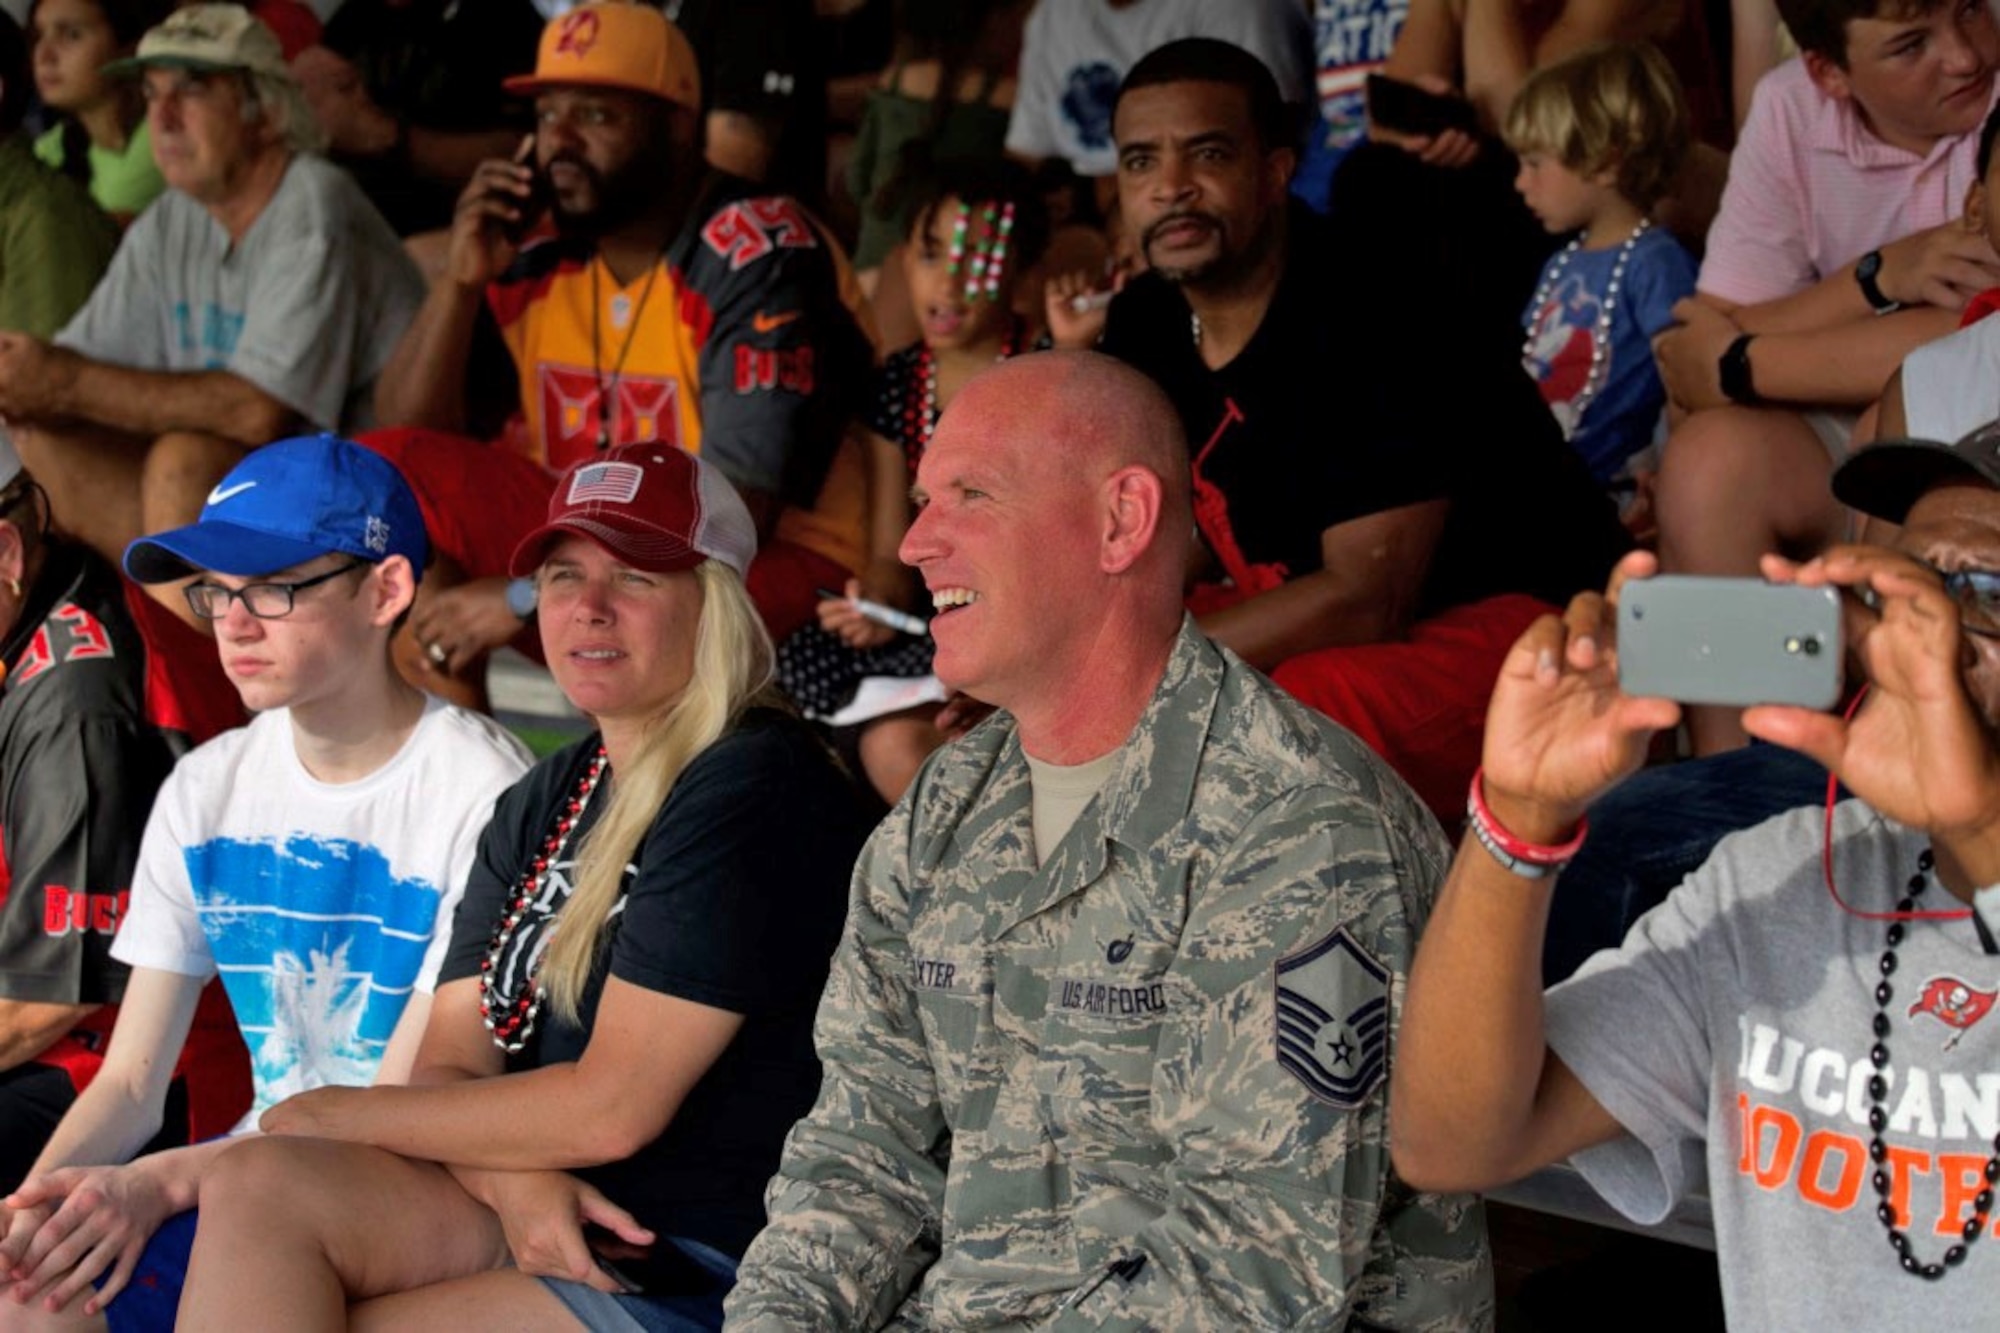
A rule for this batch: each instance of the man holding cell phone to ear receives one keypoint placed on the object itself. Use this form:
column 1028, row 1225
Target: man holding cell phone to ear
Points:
column 1828, row 1050
column 607, row 288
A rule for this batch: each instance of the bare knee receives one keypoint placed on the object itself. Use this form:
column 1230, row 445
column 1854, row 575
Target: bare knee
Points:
column 258, row 1173
column 1712, row 455
column 181, row 468
column 92, row 478
column 1737, row 482
column 894, row 748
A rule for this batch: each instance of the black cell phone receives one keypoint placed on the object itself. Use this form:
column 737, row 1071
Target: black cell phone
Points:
column 537, row 202
column 1408, row 109
column 661, row 1269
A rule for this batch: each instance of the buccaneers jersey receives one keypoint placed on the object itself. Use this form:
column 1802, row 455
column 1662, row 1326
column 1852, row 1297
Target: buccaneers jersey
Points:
column 736, row 345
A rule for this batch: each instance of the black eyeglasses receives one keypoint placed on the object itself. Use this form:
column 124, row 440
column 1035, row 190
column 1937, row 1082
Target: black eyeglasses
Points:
column 266, row 601
column 1977, row 593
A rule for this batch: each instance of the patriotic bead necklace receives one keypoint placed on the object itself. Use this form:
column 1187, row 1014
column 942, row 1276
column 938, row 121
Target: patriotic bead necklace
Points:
column 1600, row 333
column 512, row 1021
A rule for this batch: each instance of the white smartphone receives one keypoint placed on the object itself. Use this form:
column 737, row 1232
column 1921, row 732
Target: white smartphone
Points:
column 1729, row 641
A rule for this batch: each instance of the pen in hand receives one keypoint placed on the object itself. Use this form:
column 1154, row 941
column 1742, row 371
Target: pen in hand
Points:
column 880, row 614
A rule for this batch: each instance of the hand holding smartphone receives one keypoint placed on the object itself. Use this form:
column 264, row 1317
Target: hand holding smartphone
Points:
column 530, row 206
column 1736, row 642
column 1407, row 109
column 659, row 1269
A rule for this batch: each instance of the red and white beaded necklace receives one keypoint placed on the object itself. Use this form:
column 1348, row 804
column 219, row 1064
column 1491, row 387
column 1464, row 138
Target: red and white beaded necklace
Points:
column 511, row 1020
column 920, row 411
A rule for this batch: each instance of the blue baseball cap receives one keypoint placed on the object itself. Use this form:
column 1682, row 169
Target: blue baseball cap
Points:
column 285, row 504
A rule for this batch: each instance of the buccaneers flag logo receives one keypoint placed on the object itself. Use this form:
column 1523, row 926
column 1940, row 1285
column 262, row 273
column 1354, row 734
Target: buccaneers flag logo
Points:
column 1955, row 1004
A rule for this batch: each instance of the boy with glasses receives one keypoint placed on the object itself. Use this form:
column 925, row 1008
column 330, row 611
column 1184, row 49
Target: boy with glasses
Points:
column 312, row 858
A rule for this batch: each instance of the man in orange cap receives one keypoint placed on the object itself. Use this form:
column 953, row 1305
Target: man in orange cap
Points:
column 653, row 299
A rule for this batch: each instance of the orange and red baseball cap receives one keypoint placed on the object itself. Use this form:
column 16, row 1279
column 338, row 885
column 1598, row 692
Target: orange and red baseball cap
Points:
column 616, row 45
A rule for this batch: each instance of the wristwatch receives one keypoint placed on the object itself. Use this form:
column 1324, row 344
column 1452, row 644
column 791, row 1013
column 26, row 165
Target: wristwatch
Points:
column 521, row 597
column 1734, row 372
column 1867, row 272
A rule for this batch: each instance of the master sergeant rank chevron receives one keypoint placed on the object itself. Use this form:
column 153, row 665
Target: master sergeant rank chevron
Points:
column 1333, row 1019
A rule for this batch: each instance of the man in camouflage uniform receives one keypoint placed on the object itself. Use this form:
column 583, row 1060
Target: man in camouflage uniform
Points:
column 1106, row 1041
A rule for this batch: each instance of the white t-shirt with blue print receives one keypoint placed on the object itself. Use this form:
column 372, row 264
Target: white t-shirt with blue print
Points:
column 322, row 905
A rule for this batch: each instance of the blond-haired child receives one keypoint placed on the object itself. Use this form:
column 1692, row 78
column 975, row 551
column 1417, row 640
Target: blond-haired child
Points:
column 1600, row 137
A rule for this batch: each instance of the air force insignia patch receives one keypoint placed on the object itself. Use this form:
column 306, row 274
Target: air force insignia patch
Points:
column 1333, row 1020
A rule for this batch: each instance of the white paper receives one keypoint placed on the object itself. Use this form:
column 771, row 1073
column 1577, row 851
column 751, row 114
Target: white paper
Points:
column 878, row 696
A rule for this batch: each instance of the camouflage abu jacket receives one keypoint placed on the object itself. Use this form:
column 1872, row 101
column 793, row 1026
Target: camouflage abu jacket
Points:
column 1145, row 1085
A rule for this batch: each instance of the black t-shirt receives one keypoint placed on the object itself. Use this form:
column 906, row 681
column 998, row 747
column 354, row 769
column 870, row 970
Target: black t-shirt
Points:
column 736, row 901
column 1346, row 403
column 79, row 767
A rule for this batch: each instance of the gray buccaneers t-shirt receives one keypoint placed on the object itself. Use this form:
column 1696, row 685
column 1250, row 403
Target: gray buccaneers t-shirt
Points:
column 307, row 308
column 1737, row 1015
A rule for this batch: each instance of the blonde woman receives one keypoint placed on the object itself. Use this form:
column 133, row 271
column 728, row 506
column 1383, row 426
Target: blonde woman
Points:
column 621, row 1034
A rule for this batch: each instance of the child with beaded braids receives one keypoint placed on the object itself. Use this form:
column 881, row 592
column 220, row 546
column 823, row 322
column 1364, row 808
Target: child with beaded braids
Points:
column 977, row 226
column 1600, row 137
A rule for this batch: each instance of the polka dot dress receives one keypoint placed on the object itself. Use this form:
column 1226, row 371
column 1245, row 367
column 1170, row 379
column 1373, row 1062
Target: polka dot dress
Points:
column 816, row 668
column 906, row 402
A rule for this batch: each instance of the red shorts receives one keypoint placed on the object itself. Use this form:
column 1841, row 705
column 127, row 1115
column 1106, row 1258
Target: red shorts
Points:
column 186, row 689
column 479, row 500
column 1421, row 703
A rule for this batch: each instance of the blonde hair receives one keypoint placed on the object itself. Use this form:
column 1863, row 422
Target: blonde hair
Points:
column 732, row 671
column 1616, row 107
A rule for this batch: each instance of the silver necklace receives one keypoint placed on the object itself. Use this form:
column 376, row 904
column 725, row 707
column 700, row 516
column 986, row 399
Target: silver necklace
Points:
column 1570, row 415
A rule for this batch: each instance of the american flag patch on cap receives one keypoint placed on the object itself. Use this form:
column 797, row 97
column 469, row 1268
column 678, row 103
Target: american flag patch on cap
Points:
column 604, row 483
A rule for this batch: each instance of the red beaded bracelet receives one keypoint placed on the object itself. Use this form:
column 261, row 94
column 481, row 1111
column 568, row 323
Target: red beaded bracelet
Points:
column 1530, row 860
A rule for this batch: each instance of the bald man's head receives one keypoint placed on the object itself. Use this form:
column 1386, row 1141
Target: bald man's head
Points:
column 1103, row 414
column 1055, row 517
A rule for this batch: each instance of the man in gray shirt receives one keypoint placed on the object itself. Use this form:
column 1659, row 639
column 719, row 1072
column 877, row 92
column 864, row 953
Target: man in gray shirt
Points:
column 1811, row 1008
column 259, row 296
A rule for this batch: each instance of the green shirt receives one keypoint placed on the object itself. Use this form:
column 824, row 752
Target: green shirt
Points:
column 54, row 242
column 122, row 183
column 1165, row 1047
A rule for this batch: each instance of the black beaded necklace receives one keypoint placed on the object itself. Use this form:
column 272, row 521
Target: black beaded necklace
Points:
column 1878, row 1117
